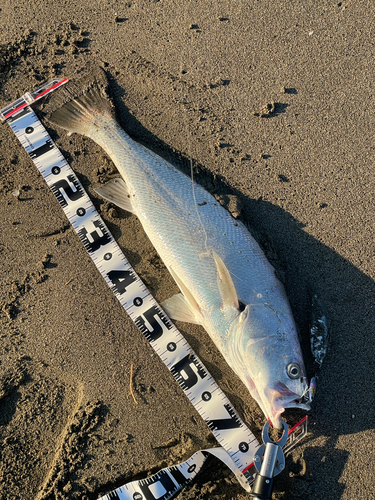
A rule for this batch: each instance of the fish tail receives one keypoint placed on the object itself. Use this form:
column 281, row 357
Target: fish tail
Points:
column 85, row 111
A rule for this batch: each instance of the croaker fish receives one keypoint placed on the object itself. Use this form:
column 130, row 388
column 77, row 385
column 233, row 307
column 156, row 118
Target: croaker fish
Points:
column 227, row 285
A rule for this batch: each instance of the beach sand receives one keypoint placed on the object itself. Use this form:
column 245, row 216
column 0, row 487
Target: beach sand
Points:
column 273, row 102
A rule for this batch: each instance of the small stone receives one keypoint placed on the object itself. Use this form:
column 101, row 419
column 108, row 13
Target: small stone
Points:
column 45, row 261
column 112, row 212
column 268, row 108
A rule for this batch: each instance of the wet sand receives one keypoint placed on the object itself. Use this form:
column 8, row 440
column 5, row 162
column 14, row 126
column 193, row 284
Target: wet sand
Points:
column 273, row 103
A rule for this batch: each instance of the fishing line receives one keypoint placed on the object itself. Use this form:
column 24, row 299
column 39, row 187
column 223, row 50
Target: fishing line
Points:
column 238, row 444
column 184, row 100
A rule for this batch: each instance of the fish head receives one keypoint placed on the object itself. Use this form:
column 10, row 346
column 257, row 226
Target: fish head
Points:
column 267, row 357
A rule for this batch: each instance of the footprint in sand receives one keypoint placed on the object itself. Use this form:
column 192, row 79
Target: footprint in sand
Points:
column 44, row 433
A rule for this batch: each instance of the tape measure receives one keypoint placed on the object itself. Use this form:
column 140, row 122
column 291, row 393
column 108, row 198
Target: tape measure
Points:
column 238, row 443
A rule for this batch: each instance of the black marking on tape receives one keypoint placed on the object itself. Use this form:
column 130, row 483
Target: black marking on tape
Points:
column 178, row 476
column 55, row 170
column 80, row 212
column 171, row 346
column 243, row 447
column 93, row 241
column 221, row 424
column 22, row 113
column 206, row 396
column 184, row 373
column 63, row 186
column 166, row 483
column 138, row 301
column 121, row 279
column 43, row 149
column 192, row 468
column 113, row 496
column 150, row 316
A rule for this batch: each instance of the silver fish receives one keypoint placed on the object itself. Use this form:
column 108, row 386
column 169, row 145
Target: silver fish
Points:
column 227, row 284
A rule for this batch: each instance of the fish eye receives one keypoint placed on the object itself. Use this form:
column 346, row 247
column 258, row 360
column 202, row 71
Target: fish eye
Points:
column 293, row 370
column 241, row 306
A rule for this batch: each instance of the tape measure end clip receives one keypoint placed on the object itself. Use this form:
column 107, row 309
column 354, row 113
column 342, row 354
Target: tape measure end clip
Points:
column 30, row 97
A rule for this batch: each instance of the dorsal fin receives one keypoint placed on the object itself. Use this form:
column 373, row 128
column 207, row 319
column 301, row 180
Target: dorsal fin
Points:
column 226, row 286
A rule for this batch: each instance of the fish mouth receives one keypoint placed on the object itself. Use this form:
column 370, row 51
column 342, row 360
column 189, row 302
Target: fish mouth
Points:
column 281, row 398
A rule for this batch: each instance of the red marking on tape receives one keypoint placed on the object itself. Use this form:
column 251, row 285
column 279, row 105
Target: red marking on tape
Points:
column 248, row 467
column 52, row 88
column 37, row 97
column 15, row 110
column 295, row 426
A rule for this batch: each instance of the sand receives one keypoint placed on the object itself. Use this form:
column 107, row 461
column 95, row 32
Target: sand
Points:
column 273, row 103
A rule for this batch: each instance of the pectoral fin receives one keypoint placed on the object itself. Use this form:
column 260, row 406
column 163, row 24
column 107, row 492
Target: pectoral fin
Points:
column 116, row 191
column 226, row 286
column 177, row 308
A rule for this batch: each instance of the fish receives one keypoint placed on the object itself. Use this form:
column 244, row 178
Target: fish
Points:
column 226, row 283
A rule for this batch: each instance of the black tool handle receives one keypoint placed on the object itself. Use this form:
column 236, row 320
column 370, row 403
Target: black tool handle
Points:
column 262, row 488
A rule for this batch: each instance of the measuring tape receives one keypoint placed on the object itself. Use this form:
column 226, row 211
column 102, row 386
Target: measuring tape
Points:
column 238, row 443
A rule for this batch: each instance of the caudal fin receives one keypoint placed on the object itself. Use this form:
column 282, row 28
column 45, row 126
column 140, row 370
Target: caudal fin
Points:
column 84, row 111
